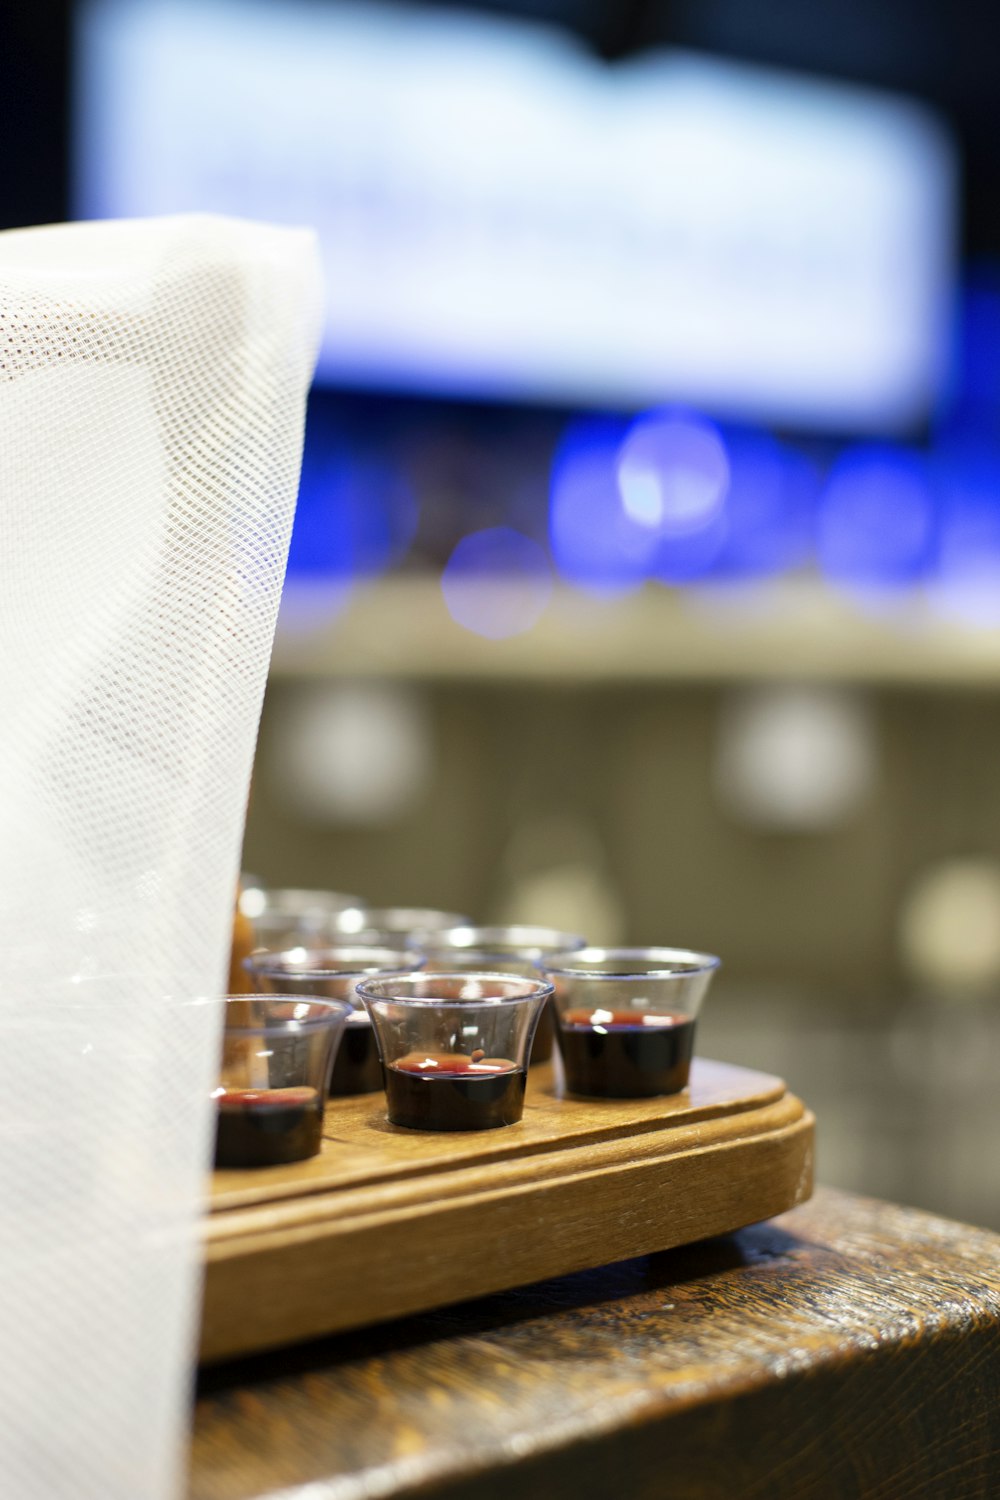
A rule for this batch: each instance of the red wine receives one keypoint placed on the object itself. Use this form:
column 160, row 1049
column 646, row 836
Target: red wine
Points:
column 265, row 1127
column 449, row 1091
column 356, row 1068
column 625, row 1054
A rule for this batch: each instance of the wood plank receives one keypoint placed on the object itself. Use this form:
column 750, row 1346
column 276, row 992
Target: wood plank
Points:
column 847, row 1348
column 387, row 1221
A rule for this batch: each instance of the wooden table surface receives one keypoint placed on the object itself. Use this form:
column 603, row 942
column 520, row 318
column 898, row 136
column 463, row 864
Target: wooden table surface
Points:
column 845, row 1349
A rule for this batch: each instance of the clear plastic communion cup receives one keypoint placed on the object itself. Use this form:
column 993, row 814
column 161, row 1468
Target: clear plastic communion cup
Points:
column 277, row 1054
column 281, row 918
column 411, row 924
column 454, row 1047
column 332, row 974
column 516, row 949
column 626, row 1017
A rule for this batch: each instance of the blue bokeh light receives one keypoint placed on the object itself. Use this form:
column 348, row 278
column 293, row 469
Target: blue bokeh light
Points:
column 356, row 515
column 673, row 472
column 770, row 507
column 596, row 544
column 673, row 478
column 686, row 556
column 876, row 527
column 497, row 583
column 966, row 581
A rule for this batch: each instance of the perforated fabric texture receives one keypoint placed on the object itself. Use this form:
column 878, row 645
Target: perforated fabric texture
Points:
column 152, row 386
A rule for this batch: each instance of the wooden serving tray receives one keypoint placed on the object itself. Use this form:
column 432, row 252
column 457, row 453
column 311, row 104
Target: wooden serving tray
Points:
column 387, row 1222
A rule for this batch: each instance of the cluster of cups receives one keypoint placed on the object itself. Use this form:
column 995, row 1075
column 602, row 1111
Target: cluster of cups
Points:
column 445, row 1016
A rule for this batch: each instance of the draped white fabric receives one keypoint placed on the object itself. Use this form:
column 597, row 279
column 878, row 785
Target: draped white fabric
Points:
column 152, row 390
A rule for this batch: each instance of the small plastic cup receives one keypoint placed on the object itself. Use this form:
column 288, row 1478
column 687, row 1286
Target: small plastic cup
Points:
column 277, row 1054
column 413, row 923
column 371, row 937
column 627, row 1016
column 332, row 974
column 454, row 1047
column 256, row 899
column 283, row 918
column 514, row 949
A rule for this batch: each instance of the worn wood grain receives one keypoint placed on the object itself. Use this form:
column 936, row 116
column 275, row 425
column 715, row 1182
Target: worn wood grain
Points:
column 387, row 1222
column 845, row 1349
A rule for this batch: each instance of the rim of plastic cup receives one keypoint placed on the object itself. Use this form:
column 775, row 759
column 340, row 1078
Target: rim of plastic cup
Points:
column 659, row 963
column 365, row 937
column 279, row 963
column 402, row 919
column 499, row 937
column 335, row 1009
column 294, row 900
column 536, row 989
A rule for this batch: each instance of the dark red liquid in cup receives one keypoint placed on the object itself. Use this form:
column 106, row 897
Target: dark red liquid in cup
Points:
column 449, row 1091
column 356, row 1067
column 267, row 1127
column 625, row 1054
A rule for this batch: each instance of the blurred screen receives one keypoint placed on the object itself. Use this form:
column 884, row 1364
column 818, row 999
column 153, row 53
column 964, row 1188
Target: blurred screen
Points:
column 504, row 216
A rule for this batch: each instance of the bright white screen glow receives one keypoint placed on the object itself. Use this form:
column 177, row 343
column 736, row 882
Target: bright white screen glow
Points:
column 503, row 216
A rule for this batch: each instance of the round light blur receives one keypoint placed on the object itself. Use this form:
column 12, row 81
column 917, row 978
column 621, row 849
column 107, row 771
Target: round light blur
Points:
column 673, row 478
column 356, row 753
column 966, row 581
column 949, row 926
column 497, row 583
column 673, row 473
column 876, row 525
column 795, row 759
column 770, row 507
column 596, row 544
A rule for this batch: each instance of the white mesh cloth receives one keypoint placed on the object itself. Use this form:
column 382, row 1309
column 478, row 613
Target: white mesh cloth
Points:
column 152, row 385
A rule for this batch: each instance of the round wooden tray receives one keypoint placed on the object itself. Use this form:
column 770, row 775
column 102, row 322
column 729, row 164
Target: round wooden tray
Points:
column 387, row 1222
